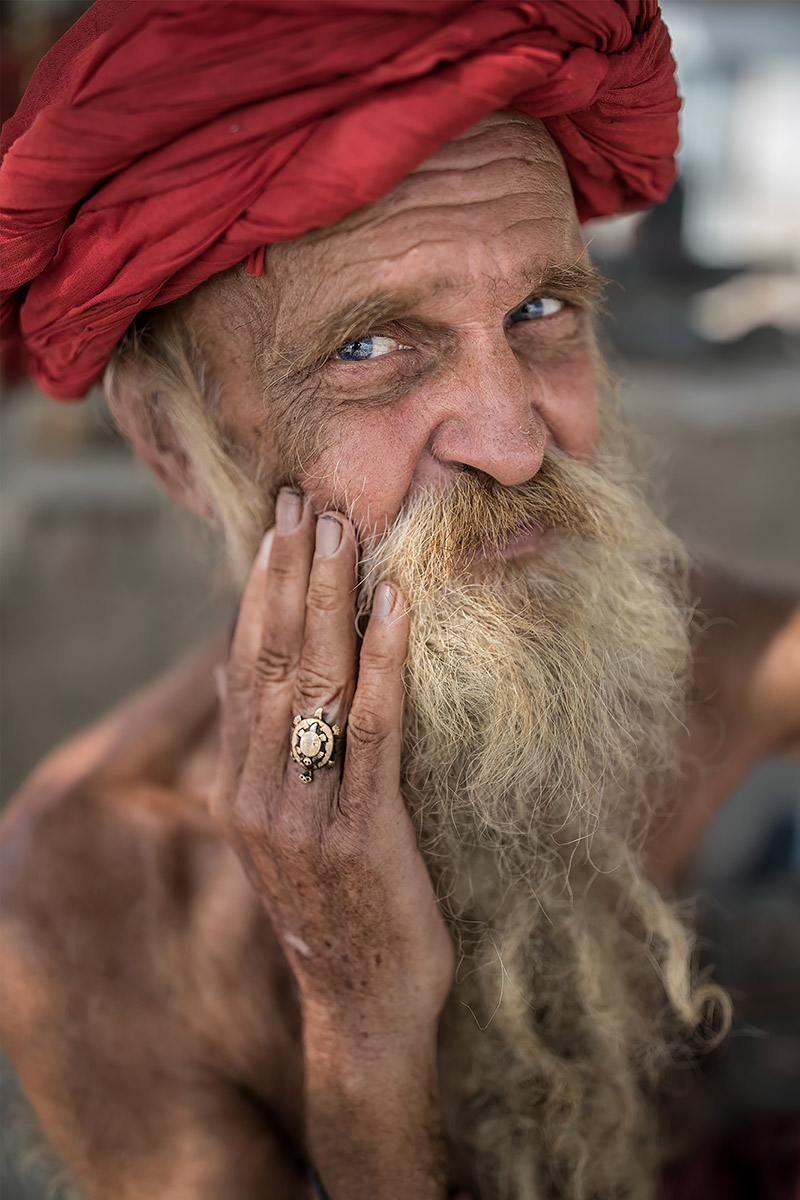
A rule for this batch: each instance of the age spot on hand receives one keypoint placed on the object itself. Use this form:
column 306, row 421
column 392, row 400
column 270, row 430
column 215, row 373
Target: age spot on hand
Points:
column 297, row 944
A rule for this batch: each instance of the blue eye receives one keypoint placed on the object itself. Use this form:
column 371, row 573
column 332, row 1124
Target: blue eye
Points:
column 535, row 309
column 356, row 351
column 366, row 348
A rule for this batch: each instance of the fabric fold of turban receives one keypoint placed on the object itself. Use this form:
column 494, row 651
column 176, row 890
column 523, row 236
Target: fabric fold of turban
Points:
column 160, row 142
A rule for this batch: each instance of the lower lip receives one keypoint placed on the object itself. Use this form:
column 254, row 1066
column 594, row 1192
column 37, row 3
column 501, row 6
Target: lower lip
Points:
column 522, row 543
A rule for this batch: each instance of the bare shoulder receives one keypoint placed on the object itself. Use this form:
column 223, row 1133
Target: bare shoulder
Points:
column 745, row 702
column 142, row 988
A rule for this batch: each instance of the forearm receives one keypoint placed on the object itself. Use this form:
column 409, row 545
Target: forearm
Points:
column 373, row 1120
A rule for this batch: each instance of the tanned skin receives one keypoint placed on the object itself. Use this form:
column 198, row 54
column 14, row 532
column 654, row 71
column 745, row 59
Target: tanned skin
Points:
column 147, row 1003
column 213, row 973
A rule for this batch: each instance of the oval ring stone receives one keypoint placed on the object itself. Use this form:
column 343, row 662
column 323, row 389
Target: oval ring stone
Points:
column 310, row 743
column 313, row 743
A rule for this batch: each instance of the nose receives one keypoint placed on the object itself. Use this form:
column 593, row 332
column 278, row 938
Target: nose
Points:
column 486, row 418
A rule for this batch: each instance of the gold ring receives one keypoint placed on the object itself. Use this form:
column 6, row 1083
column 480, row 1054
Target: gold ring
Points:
column 313, row 743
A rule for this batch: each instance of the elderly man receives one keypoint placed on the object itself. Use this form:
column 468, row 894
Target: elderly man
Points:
column 385, row 918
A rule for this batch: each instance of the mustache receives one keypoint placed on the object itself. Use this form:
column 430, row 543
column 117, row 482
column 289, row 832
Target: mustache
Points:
column 440, row 531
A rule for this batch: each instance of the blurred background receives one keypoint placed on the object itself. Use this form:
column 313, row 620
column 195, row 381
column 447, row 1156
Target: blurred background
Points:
column 104, row 584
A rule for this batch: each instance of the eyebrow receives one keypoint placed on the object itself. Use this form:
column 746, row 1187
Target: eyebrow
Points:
column 343, row 325
column 583, row 286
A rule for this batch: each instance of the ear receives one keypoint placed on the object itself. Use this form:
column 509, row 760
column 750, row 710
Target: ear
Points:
column 151, row 435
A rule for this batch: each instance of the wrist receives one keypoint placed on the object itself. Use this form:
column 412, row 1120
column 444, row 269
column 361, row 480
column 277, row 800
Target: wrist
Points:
column 373, row 1117
column 365, row 1028
column 365, row 1049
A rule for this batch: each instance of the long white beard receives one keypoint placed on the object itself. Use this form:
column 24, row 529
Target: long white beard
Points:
column 542, row 719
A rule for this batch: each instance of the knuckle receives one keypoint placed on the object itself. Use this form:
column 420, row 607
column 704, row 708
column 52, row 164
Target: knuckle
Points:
column 283, row 566
column 274, row 664
column 313, row 680
column 379, row 662
column 323, row 595
column 367, row 728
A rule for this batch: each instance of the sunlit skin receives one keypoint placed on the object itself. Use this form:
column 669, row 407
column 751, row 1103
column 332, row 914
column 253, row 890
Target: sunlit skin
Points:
column 215, row 972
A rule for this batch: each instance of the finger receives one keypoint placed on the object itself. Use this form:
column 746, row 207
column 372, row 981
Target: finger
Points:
column 328, row 664
column 283, row 620
column 234, row 680
column 269, row 629
column 326, row 676
column 247, row 633
column 374, row 727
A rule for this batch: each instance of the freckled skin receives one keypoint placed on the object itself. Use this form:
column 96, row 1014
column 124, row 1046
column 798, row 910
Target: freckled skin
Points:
column 150, row 1006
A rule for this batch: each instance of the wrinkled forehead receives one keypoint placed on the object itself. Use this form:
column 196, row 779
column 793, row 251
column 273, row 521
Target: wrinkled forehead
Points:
column 502, row 185
column 506, row 165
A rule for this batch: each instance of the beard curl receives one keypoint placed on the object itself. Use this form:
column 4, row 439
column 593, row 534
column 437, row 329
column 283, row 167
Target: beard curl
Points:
column 545, row 698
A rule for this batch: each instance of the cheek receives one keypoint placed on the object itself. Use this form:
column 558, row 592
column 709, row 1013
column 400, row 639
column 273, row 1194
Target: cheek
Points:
column 368, row 465
column 570, row 404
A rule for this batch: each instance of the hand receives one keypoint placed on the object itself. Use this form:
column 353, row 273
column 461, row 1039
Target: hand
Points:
column 335, row 860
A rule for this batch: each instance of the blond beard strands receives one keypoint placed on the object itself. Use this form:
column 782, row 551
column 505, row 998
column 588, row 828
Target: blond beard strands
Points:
column 544, row 703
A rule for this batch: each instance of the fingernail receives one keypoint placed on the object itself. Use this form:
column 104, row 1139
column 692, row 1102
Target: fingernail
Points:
column 385, row 597
column 329, row 534
column 262, row 558
column 287, row 509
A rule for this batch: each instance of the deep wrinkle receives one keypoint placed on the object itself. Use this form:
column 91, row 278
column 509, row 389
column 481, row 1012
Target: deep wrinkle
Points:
column 304, row 389
column 304, row 410
column 581, row 286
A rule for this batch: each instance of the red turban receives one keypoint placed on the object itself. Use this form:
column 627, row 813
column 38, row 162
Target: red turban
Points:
column 162, row 141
